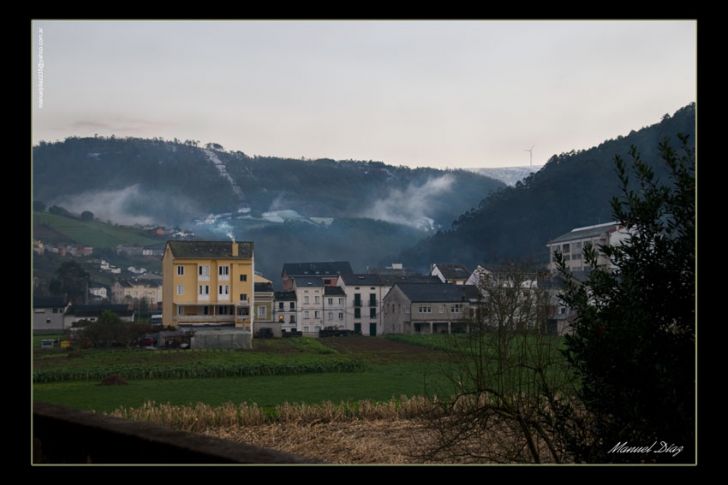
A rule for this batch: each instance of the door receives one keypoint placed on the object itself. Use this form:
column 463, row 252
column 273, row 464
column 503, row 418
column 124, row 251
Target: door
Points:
column 372, row 329
column 357, row 328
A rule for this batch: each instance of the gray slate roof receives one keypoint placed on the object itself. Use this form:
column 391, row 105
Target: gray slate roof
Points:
column 284, row 296
column 453, row 271
column 445, row 293
column 362, row 279
column 48, row 302
column 331, row 268
column 334, row 291
column 392, row 279
column 210, row 249
column 309, row 282
column 584, row 233
column 263, row 287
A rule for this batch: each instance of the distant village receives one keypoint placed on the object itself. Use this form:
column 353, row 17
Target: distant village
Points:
column 212, row 285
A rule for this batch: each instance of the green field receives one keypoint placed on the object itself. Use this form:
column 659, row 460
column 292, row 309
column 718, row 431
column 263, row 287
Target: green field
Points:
column 89, row 233
column 389, row 370
column 378, row 382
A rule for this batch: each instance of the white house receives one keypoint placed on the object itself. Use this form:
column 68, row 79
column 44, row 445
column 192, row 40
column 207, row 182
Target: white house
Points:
column 572, row 244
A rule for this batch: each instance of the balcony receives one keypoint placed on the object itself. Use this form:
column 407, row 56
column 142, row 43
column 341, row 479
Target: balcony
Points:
column 205, row 318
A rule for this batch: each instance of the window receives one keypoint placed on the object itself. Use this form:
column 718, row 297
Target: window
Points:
column 243, row 277
column 292, row 319
column 280, row 305
column 305, row 314
column 316, row 314
column 179, row 311
column 331, row 301
column 562, row 310
column 305, row 299
column 180, row 270
column 305, row 329
column 372, row 299
column 456, row 308
column 180, row 289
column 203, row 272
column 243, row 297
column 357, row 299
column 341, row 301
column 341, row 316
column 243, row 311
column 566, row 248
column 372, row 313
column 292, row 306
column 225, row 310
column 223, row 290
column 261, row 311
column 205, row 310
column 424, row 309
column 204, row 290
column 317, row 299
column 357, row 312
column 331, row 316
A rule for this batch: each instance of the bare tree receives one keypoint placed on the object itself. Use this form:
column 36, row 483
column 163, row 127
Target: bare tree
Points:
column 513, row 388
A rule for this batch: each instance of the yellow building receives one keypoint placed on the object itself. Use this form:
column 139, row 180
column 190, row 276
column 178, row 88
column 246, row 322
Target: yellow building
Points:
column 208, row 283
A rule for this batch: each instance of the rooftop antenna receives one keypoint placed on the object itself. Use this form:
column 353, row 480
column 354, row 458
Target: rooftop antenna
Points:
column 530, row 153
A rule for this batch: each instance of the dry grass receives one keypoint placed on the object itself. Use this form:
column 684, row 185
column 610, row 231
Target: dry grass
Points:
column 398, row 431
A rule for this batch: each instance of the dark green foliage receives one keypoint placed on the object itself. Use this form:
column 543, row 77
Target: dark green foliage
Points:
column 110, row 331
column 70, row 280
column 634, row 338
column 87, row 216
column 60, row 211
column 176, row 181
column 573, row 189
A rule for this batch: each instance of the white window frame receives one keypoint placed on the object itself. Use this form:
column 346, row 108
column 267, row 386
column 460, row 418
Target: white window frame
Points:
column 203, row 272
column 203, row 292
column 261, row 314
column 180, row 289
column 223, row 292
column 223, row 272
column 180, row 270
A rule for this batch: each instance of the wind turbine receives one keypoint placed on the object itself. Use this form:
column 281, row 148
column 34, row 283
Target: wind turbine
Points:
column 530, row 153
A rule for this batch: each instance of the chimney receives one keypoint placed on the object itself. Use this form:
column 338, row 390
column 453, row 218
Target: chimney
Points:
column 235, row 249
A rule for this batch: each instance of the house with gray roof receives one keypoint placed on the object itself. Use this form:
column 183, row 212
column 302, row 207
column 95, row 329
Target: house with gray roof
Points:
column 327, row 271
column 365, row 295
column 450, row 273
column 48, row 313
column 572, row 243
column 429, row 308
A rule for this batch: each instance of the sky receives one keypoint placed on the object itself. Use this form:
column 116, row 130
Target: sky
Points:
column 444, row 94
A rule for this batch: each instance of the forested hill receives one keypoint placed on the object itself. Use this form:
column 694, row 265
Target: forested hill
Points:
column 174, row 181
column 573, row 189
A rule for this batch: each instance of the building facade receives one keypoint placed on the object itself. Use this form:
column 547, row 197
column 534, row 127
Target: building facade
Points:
column 286, row 310
column 571, row 245
column 48, row 313
column 310, row 297
column 264, row 313
column 450, row 273
column 412, row 308
column 208, row 283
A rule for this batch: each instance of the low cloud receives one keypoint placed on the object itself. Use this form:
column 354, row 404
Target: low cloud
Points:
column 412, row 206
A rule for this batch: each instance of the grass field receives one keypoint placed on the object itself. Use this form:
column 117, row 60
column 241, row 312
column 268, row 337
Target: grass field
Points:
column 380, row 382
column 91, row 233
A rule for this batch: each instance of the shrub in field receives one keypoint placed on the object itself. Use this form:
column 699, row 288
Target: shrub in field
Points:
column 113, row 380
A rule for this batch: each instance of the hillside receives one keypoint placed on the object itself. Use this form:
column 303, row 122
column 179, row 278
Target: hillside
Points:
column 572, row 189
column 507, row 175
column 59, row 229
column 155, row 181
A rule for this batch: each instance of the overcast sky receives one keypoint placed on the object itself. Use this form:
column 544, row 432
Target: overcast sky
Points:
column 435, row 93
